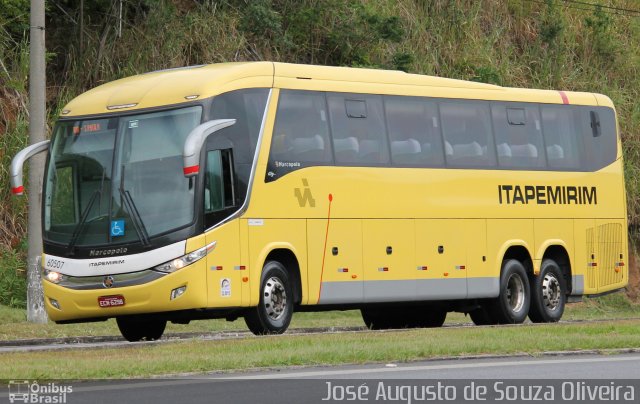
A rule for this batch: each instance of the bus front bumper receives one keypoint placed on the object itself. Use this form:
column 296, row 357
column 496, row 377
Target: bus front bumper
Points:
column 181, row 290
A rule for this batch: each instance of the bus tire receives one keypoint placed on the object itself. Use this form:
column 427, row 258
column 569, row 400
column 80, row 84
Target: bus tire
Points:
column 275, row 308
column 548, row 294
column 373, row 319
column 482, row 316
column 512, row 304
column 432, row 317
column 383, row 318
column 135, row 329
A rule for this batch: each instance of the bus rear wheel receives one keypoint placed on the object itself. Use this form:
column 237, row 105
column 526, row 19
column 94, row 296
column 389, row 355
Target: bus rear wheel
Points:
column 548, row 294
column 512, row 304
column 135, row 329
column 275, row 308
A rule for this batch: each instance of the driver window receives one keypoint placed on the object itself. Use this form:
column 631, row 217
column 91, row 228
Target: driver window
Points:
column 218, row 188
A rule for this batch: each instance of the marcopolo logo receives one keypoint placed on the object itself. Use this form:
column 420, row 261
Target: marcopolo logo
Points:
column 23, row 391
column 107, row 252
column 304, row 196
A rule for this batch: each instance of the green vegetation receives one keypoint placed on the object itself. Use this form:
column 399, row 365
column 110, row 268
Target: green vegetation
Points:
column 521, row 43
column 292, row 350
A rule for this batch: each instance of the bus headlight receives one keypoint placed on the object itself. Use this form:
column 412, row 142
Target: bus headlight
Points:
column 185, row 260
column 53, row 276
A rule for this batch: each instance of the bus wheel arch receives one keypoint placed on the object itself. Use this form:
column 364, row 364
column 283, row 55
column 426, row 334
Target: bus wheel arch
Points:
column 558, row 253
column 519, row 253
column 280, row 289
column 517, row 260
column 274, row 311
column 512, row 304
column 288, row 259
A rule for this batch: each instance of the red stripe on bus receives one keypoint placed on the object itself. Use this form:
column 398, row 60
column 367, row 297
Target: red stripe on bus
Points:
column 565, row 99
column 324, row 252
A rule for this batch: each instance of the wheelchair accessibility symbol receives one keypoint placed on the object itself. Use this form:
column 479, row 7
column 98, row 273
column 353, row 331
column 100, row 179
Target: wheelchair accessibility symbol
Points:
column 117, row 228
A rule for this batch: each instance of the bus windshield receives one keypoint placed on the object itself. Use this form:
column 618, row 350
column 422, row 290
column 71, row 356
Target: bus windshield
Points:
column 119, row 179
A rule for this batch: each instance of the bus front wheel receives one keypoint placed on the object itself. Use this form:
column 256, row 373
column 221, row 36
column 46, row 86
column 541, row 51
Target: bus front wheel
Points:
column 135, row 329
column 548, row 294
column 275, row 308
column 512, row 304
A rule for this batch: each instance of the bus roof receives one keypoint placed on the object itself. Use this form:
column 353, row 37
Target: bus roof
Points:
column 182, row 85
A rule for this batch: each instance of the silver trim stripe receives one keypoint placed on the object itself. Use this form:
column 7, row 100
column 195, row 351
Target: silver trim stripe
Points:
column 119, row 280
column 408, row 290
column 577, row 281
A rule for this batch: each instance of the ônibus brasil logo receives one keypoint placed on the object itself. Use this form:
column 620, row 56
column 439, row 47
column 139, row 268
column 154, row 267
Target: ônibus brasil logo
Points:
column 24, row 391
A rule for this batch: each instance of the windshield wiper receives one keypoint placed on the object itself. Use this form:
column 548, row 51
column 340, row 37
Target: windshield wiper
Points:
column 138, row 224
column 85, row 214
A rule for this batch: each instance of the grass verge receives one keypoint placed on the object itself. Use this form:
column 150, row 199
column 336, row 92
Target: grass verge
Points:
column 326, row 349
column 13, row 323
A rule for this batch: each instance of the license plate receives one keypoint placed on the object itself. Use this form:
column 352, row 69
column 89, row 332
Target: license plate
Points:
column 111, row 301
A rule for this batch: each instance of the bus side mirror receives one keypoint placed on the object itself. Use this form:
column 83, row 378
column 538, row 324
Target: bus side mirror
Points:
column 195, row 141
column 17, row 187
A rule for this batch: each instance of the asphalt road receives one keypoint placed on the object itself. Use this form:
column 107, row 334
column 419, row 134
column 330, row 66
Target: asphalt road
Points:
column 308, row 385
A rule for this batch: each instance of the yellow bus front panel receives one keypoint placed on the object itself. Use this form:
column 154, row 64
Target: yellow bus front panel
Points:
column 152, row 297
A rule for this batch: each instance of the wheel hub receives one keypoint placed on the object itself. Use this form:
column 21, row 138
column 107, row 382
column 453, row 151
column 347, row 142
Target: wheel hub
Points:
column 275, row 298
column 515, row 293
column 550, row 292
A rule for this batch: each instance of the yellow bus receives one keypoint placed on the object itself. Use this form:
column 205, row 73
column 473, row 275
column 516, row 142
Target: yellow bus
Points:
column 258, row 189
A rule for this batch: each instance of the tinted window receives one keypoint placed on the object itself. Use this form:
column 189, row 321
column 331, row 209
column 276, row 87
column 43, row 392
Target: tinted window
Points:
column 247, row 108
column 598, row 128
column 219, row 186
column 301, row 132
column 467, row 133
column 518, row 135
column 63, row 196
column 561, row 139
column 414, row 132
column 358, row 129
column 149, row 167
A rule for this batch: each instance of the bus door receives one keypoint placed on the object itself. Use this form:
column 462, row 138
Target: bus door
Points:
column 224, row 271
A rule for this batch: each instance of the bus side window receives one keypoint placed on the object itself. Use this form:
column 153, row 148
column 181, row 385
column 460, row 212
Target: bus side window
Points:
column 219, row 190
column 358, row 129
column 414, row 132
column 563, row 146
column 247, row 107
column 301, row 131
column 518, row 135
column 598, row 129
column 466, row 126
